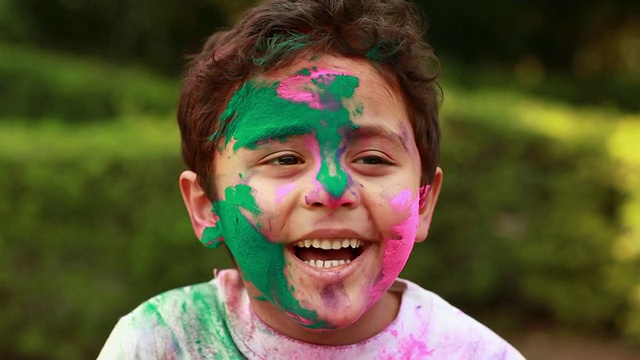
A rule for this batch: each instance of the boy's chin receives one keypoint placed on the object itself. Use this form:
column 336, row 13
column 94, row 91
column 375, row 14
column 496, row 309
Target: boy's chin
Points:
column 337, row 306
column 339, row 297
column 337, row 318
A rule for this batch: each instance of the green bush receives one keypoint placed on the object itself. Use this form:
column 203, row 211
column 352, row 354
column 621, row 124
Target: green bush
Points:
column 530, row 214
column 92, row 225
column 623, row 146
column 36, row 84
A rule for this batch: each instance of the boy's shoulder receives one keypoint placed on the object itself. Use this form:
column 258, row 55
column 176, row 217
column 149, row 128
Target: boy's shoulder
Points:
column 447, row 330
column 185, row 323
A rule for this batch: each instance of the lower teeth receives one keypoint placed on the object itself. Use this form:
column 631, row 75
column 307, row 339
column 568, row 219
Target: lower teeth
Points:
column 326, row 263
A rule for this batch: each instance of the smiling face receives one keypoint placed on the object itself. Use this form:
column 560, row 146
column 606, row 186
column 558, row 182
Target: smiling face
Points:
column 318, row 183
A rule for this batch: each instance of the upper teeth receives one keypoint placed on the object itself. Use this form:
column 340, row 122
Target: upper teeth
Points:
column 329, row 244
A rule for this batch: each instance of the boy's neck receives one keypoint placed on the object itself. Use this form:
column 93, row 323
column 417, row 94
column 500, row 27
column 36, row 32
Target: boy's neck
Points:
column 374, row 321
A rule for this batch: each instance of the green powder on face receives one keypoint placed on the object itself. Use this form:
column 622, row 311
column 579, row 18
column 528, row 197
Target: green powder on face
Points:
column 212, row 237
column 256, row 113
column 261, row 112
column 240, row 196
column 261, row 261
column 305, row 72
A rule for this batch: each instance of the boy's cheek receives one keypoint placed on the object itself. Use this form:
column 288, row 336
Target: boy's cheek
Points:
column 405, row 203
column 399, row 241
column 398, row 214
column 282, row 191
column 267, row 224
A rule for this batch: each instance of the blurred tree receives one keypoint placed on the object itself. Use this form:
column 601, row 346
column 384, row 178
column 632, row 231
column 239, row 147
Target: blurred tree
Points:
column 150, row 32
column 589, row 38
column 580, row 38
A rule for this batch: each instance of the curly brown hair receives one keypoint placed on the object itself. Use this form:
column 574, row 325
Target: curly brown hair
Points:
column 390, row 33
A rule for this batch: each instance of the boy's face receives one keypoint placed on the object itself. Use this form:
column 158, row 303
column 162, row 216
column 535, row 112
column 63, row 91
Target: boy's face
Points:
column 318, row 182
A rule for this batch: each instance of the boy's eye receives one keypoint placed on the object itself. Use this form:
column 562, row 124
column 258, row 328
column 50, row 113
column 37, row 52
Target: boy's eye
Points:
column 373, row 160
column 286, row 160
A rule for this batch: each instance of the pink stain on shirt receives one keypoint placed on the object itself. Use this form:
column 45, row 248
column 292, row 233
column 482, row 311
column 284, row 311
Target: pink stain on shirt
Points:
column 426, row 327
column 414, row 348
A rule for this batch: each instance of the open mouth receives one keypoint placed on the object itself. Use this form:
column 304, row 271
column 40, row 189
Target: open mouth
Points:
column 328, row 253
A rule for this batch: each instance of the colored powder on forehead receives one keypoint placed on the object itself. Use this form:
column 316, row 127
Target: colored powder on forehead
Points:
column 261, row 261
column 310, row 102
column 251, row 117
column 332, row 92
column 304, row 71
column 318, row 88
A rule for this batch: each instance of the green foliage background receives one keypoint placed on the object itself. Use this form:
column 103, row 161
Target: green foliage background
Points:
column 538, row 221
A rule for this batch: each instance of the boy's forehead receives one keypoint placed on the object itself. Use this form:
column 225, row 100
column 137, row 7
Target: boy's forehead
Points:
column 318, row 66
column 305, row 74
column 326, row 62
column 309, row 97
column 323, row 96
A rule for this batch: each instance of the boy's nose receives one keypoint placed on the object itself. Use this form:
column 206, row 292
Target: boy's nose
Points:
column 321, row 195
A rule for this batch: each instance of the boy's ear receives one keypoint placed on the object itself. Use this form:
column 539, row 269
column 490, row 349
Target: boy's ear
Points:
column 428, row 205
column 197, row 203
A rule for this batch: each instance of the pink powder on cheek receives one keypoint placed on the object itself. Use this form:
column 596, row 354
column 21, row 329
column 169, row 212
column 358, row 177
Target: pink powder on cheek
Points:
column 398, row 249
column 282, row 191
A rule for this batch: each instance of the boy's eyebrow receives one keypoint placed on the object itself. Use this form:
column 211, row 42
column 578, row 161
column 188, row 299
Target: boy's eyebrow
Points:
column 268, row 133
column 367, row 131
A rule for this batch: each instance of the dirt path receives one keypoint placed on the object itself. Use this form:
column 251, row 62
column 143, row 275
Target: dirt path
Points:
column 548, row 345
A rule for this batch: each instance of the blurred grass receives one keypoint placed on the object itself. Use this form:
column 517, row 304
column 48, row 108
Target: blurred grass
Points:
column 122, row 138
column 539, row 216
column 35, row 84
column 529, row 78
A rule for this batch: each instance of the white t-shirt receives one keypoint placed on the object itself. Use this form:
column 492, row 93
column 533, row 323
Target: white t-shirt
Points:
column 214, row 320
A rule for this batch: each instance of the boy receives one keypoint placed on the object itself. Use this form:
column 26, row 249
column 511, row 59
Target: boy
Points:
column 310, row 131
